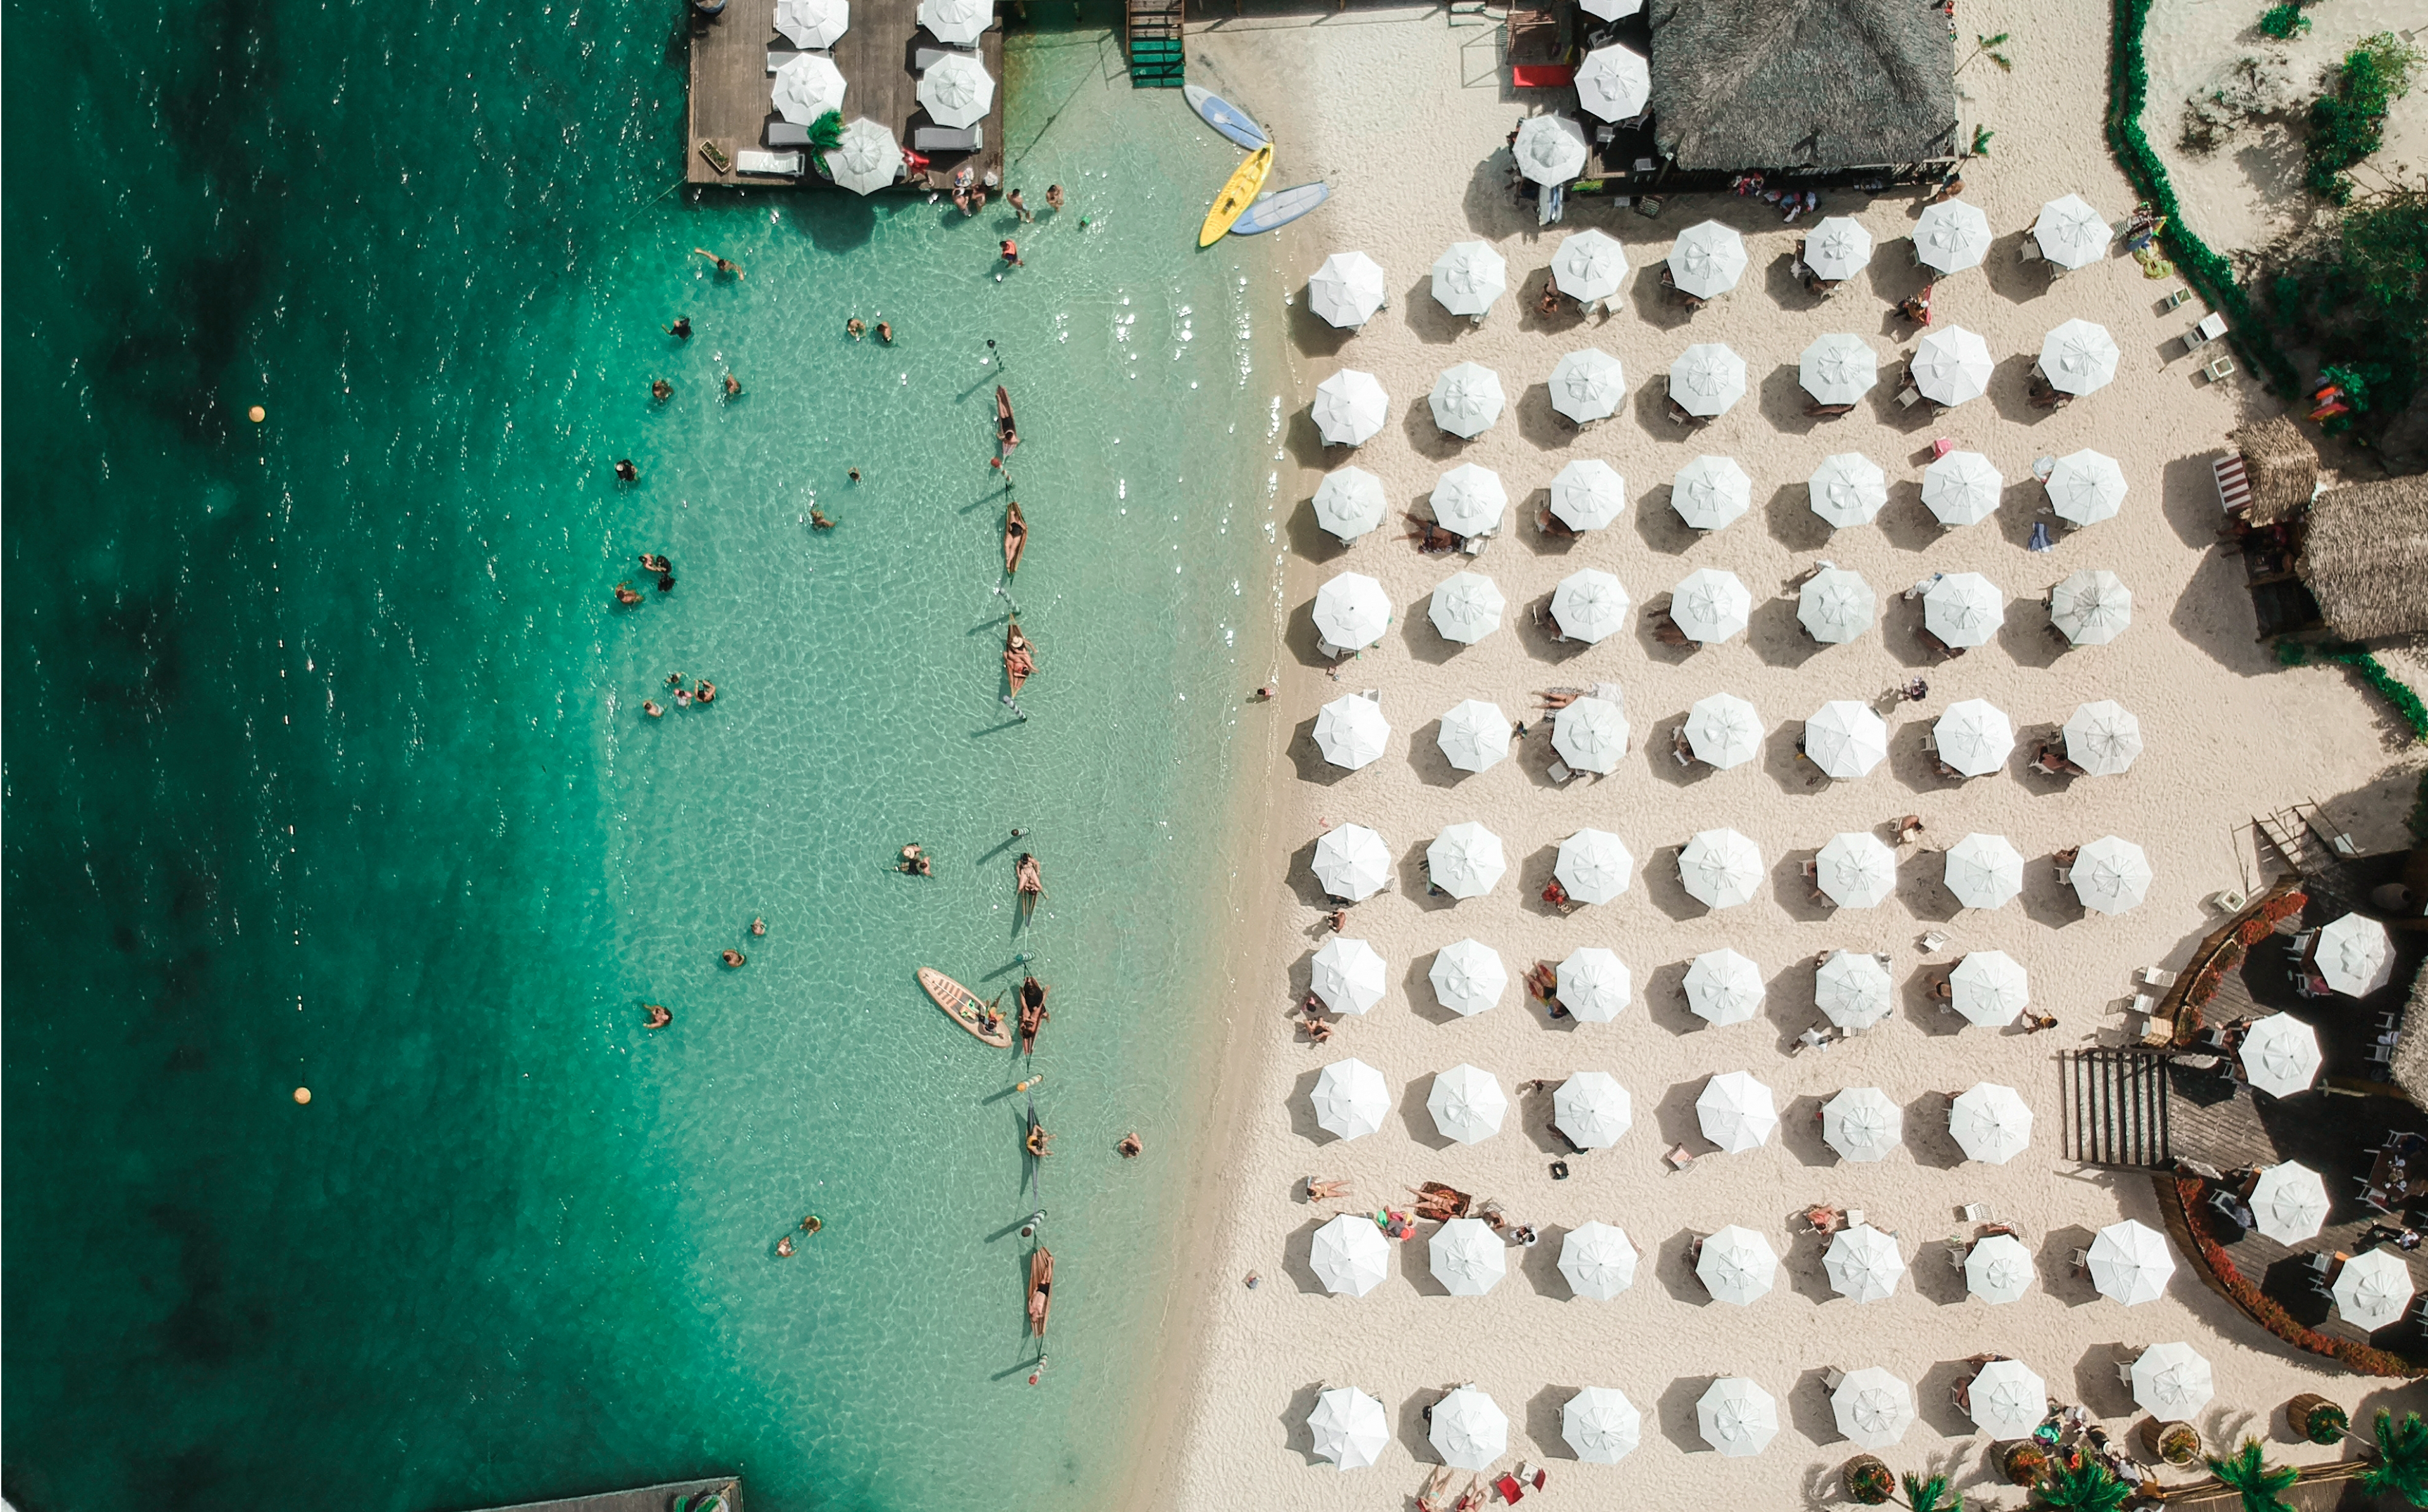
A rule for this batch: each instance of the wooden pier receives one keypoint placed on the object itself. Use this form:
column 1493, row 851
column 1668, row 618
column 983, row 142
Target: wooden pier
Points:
column 644, row 1499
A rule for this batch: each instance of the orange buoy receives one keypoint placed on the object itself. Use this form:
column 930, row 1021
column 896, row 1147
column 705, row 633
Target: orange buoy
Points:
column 303, row 1094
column 257, row 415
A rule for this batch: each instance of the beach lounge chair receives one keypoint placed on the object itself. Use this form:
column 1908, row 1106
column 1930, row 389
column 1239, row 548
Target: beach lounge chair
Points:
column 786, row 134
column 1560, row 770
column 1976, row 1211
column 2218, row 370
column 779, row 57
column 926, row 56
column 950, row 139
column 1933, row 941
column 1679, row 1157
column 772, row 165
column 2157, row 977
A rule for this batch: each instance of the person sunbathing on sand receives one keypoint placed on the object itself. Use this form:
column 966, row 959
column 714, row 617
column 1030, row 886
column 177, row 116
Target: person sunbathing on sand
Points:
column 1322, row 1190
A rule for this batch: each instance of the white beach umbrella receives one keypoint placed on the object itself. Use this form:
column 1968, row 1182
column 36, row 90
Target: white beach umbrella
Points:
column 1873, row 1407
column 1594, row 866
column 1737, row 1416
column 1736, row 1265
column 1846, row 740
column 2079, row 357
column 1951, row 236
column 959, row 22
column 1348, row 975
column 2172, row 1381
column 1963, row 608
column 1723, row 731
column 2092, row 607
column 1347, row 289
column 1837, row 247
column 1587, row 386
column 1961, row 488
column 1592, row 1108
column 1735, row 1112
column 957, row 89
column 806, row 86
column 2102, row 739
column 1597, row 1260
column 1984, row 872
column 1951, row 366
column 1710, row 604
column 2086, row 487
column 1350, row 1255
column 1551, row 149
column 1350, row 502
column 1467, row 399
column 1710, row 491
column 1848, row 488
column 1600, row 1424
column 1350, row 1098
column 1724, row 987
column 1990, row 1123
column 2355, row 955
column 1351, row 862
column 2009, row 1400
column 1467, row 977
column 1469, row 500
column 1862, row 1263
column 1851, row 988
column 1588, row 494
column 1594, row 985
column 1707, row 260
column 2372, row 1290
column 1721, row 868
column 1975, row 736
column 1469, row 277
column 2111, row 876
column 2280, row 1055
column 2130, row 1262
column 1835, row 606
column 1861, row 1123
column 1350, row 407
column 1589, row 265
column 1613, row 82
column 1998, row 1269
column 1466, row 859
column 1352, row 611
column 1838, row 369
column 1589, row 605
column 813, row 23
column 1349, row 1428
column 2288, row 1203
column 1706, row 378
column 1590, row 734
column 1855, row 870
column 1466, row 606
column 2071, row 233
column 1613, row 9
column 1474, row 735
column 1468, row 1105
column 1467, row 1256
column 1351, row 731
column 1468, row 1430
column 1989, row 988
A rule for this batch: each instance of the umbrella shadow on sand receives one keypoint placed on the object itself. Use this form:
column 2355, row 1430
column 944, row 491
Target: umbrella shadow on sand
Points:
column 1311, row 334
column 1418, row 1120
column 1298, row 1260
column 1799, row 1131
column 1674, row 1410
column 1306, row 758
column 1657, row 874
column 1935, row 1398
column 1417, row 985
column 1295, row 1433
column 1808, row 1410
column 1540, row 1264
column 1777, row 636
column 1658, row 525
column 2053, row 1264
column 1302, row 1110
column 1927, row 1137
column 1788, row 516
column 1543, row 1421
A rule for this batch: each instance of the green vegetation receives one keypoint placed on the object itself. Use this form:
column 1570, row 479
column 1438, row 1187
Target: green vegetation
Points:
column 2402, row 1467
column 2284, row 20
column 2247, row 1471
column 2363, row 302
column 1930, row 1495
column 1980, row 147
column 2293, row 653
column 1988, row 47
column 2347, row 122
column 2089, row 1487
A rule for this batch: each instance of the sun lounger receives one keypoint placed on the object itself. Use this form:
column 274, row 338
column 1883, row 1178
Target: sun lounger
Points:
column 2157, row 977
column 2219, row 370
column 773, row 165
column 1976, row 1211
column 779, row 57
column 786, row 134
column 1679, row 1157
column 924, row 56
column 950, row 139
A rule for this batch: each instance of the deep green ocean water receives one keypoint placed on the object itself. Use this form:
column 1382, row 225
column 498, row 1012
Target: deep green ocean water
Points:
column 325, row 766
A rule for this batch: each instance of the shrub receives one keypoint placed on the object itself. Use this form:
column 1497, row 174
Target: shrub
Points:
column 2316, row 1420
column 2347, row 122
column 2284, row 906
column 2390, row 688
column 2023, row 1461
column 2177, row 1443
column 1867, row 1480
column 2284, row 20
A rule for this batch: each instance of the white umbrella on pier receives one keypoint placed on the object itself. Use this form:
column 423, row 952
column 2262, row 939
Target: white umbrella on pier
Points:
column 1587, row 386
column 1721, row 867
column 2111, row 876
column 1851, row 988
column 1469, row 500
column 1474, row 735
column 1468, row 1105
column 1589, row 605
column 1706, row 378
column 1862, row 1263
column 1594, row 985
column 2009, row 1401
column 1723, row 987
column 1961, row 488
column 1350, row 1098
column 2288, row 1203
column 1612, row 10
column 1467, row 1256
column 1998, row 1269
column 1350, row 407
column 1735, row 1113
column 2354, row 955
column 1736, row 1265
column 2102, row 739
column 1350, row 1255
column 1351, row 611
column 1466, row 606
column 1710, row 491
column 1592, row 1108
column 1838, row 369
column 1590, row 734
column 1975, row 736
column 1467, row 977
column 1855, row 870
column 1737, row 1416
column 1465, row 860
column 1350, row 502
column 1349, row 1428
column 1835, row 606
column 1588, row 494
column 960, row 23
column 1600, row 1424
column 1469, row 277
column 1990, row 1123
column 1951, row 236
column 1613, row 83
column 1873, row 1407
column 2079, row 357
column 813, row 23
column 2086, row 487
column 2071, row 233
column 1837, row 247
column 1723, row 731
column 1347, row 289
column 1351, row 731
column 2090, row 608
column 1468, row 1430
column 1963, row 608
column 1984, row 872
column 1951, row 366
column 1467, row 399
column 1710, row 606
column 1348, row 975
column 1989, row 988
column 806, row 86
column 1861, row 1123
column 1588, row 265
column 2172, row 1381
column 1707, row 260
column 1551, row 149
column 2130, row 1262
column 2280, row 1055
column 1846, row 740
column 1351, row 862
column 957, row 89
column 2372, row 1290
column 1848, row 488
column 1594, row 866
column 1597, row 1260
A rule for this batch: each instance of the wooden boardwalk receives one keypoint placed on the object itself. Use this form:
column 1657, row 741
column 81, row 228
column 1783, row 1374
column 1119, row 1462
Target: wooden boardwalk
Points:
column 646, row 1499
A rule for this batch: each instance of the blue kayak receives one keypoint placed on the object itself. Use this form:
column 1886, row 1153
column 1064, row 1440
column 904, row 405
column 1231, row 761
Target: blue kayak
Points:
column 1280, row 208
column 1224, row 117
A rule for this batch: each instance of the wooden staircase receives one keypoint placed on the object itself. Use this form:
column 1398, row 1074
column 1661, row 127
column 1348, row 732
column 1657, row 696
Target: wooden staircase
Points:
column 1153, row 30
column 2302, row 835
column 2116, row 1107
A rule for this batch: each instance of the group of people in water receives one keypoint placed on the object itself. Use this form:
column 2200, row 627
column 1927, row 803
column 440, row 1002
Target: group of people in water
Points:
column 700, row 692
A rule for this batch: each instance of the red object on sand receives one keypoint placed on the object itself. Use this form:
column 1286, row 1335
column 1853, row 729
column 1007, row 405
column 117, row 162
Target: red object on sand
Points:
column 1508, row 1487
column 1542, row 75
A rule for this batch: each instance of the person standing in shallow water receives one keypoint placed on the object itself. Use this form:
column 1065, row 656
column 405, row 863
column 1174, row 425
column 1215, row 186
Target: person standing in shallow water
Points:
column 625, row 472
column 680, row 330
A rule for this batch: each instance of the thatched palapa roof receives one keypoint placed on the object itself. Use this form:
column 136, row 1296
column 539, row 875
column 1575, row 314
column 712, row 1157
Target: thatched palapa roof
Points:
column 1746, row 84
column 2365, row 558
column 2409, row 1067
column 2280, row 464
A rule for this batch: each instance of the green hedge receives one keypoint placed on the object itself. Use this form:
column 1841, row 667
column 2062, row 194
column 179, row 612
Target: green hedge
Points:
column 2390, row 688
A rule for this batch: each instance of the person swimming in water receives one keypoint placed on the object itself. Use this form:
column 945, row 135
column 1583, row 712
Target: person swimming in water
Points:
column 758, row 926
column 885, row 332
column 651, row 708
column 626, row 594
column 1130, row 1145
column 680, row 330
column 853, row 475
column 915, row 863
column 707, row 694
column 819, row 521
column 732, row 957
column 627, row 472
column 855, row 329
column 655, row 561
column 659, row 1017
column 811, row 1223
column 733, row 386
column 784, row 1247
column 661, row 390
column 722, row 266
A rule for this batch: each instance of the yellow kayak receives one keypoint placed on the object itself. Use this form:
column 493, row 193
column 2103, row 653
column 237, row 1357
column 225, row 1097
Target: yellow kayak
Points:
column 1237, row 196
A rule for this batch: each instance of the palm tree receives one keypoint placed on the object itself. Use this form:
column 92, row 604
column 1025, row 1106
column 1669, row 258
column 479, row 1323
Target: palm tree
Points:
column 2248, row 1471
column 2402, row 1467
column 1930, row 1495
column 2089, row 1487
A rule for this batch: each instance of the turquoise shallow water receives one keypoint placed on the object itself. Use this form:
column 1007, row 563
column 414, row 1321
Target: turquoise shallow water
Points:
column 325, row 766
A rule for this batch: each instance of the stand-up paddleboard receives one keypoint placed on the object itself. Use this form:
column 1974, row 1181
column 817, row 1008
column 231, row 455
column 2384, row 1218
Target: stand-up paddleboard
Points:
column 1280, row 208
column 1237, row 195
column 963, row 1007
column 1223, row 115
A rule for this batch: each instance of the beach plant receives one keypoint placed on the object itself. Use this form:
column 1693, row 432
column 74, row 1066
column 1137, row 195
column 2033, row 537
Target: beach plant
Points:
column 2316, row 1420
column 1867, row 1480
column 1930, row 1495
column 1980, row 147
column 825, row 134
column 2085, row 1486
column 2347, row 122
column 2284, row 20
column 2177, row 1443
column 2402, row 1467
column 2247, row 1471
column 2023, row 1462
column 1988, row 47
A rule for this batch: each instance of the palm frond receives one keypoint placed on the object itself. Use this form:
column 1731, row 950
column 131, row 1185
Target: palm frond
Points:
column 826, row 133
column 2089, row 1487
column 2247, row 1471
column 2402, row 1467
column 1930, row 1495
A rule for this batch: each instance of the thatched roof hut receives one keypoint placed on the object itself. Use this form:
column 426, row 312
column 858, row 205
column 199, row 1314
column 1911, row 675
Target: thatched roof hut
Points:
column 1747, row 83
column 2365, row 558
column 2280, row 465
column 2410, row 1064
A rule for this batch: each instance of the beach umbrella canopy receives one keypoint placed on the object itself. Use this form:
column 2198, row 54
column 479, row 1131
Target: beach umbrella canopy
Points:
column 2079, row 357
column 1351, row 730
column 2290, row 1203
column 1951, row 366
column 959, row 22
column 1837, row 247
column 1998, row 1269
column 2374, row 1288
column 1600, row 1424
column 2172, row 1381
column 1474, row 735
column 2086, row 487
column 1350, row 502
column 1551, row 149
column 1835, row 606
column 1351, row 862
column 1975, row 736
column 1351, row 611
column 1347, row 289
column 1851, row 988
column 1594, row 985
column 2102, row 739
column 1846, row 740
column 1707, row 260
column 1873, row 1407
column 1590, row 734
column 1707, row 377
column 2009, row 1401
column 957, row 89
column 1963, row 608
column 1587, row 386
column 1467, row 1256
column 1469, row 277
column 1468, row 1431
column 1724, row 987
column 1589, row 605
column 1466, row 1104
column 1594, row 866
column 1467, row 399
column 1736, row 1265
column 1710, row 491
column 1735, row 1112
column 2280, row 1055
column 1589, row 265
column 1348, row 975
column 1349, row 408
column 1862, row 1263
column 1350, row 1254
column 1349, row 1428
column 1855, row 870
column 2111, row 876
column 1350, row 1098
column 1721, row 868
column 2130, row 1262
column 1466, row 859
column 1989, row 988
column 1990, row 1123
column 1710, row 604
column 1951, row 236
column 867, row 159
column 1838, row 369
column 1597, row 1260
column 1848, row 488
column 2092, row 607
column 1613, row 9
column 1467, row 977
column 1737, row 1416
column 806, row 86
column 813, row 23
column 2355, row 955
column 1723, row 731
column 1588, row 494
column 1592, row 1108
column 2071, row 233
column 1961, row 488
column 1613, row 82
column 1861, row 1123
column 1469, row 500
column 1466, row 608
column 1984, row 872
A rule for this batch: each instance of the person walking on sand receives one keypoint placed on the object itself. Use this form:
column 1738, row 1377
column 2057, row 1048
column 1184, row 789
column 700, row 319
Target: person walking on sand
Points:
column 1018, row 205
column 722, row 266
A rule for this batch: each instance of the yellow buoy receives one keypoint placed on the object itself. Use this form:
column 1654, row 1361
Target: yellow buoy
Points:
column 303, row 1094
column 257, row 413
